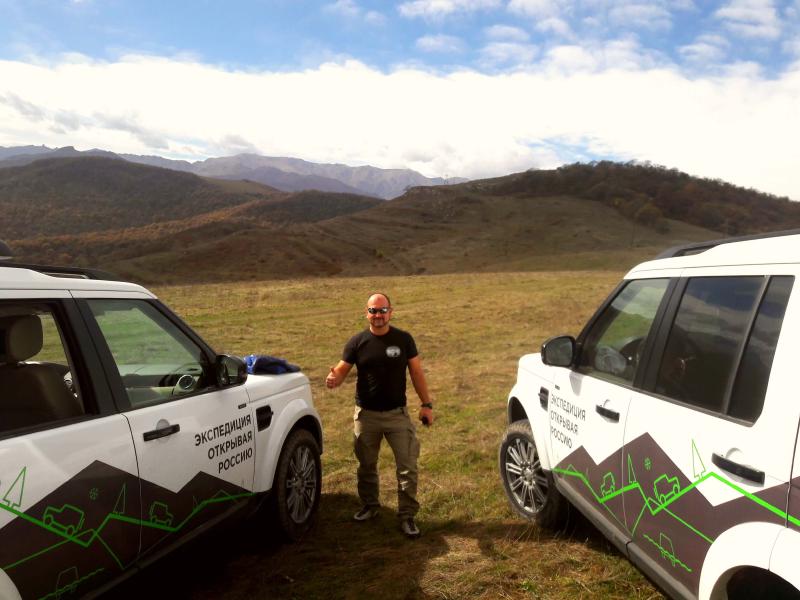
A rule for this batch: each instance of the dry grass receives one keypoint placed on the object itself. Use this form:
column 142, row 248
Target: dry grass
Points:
column 471, row 330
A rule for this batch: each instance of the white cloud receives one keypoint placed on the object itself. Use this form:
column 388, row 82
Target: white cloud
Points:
column 441, row 43
column 570, row 59
column 509, row 54
column 432, row 9
column 622, row 54
column 751, row 18
column 539, row 8
column 351, row 10
column 506, row 33
column 641, row 15
column 554, row 25
column 373, row 17
column 346, row 8
column 737, row 126
column 706, row 50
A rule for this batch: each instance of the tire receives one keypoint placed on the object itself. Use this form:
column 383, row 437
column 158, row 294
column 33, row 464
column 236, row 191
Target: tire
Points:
column 531, row 491
column 297, row 485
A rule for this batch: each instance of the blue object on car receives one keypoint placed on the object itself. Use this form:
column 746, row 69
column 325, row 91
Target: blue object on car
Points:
column 262, row 364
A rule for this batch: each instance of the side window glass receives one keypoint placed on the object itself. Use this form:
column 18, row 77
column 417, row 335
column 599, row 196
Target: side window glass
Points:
column 155, row 359
column 747, row 398
column 38, row 384
column 613, row 347
column 703, row 346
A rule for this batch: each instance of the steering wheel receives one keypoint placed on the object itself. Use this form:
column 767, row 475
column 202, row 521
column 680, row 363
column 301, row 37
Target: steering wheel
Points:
column 608, row 360
column 632, row 351
column 183, row 379
column 186, row 384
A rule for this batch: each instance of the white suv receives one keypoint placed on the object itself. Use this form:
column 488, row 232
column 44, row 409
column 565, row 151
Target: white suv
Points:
column 123, row 434
column 671, row 421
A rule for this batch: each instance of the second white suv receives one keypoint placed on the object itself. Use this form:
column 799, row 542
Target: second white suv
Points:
column 671, row 421
column 123, row 434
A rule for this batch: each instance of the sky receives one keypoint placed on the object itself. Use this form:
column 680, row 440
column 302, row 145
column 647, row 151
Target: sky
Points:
column 450, row 88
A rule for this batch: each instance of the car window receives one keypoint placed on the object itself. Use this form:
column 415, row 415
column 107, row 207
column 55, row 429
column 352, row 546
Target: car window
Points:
column 747, row 398
column 38, row 382
column 613, row 346
column 155, row 359
column 703, row 347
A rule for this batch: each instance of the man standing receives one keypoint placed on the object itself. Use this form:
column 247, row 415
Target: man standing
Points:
column 381, row 355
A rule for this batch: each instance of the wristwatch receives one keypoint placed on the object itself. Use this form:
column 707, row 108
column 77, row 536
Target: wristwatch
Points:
column 427, row 405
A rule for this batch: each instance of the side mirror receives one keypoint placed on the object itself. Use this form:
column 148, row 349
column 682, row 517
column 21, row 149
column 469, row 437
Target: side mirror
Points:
column 559, row 351
column 230, row 370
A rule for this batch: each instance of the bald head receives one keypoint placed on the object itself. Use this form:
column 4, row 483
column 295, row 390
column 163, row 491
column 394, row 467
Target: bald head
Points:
column 377, row 297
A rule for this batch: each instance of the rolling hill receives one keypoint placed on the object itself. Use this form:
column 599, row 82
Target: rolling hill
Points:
column 604, row 215
column 57, row 196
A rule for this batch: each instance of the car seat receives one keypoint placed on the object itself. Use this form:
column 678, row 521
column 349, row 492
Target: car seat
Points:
column 30, row 393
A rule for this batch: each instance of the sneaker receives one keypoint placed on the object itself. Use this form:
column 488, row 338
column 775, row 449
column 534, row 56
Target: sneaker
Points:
column 366, row 513
column 409, row 528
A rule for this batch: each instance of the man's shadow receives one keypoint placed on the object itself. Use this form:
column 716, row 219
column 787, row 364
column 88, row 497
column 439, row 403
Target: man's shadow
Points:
column 339, row 558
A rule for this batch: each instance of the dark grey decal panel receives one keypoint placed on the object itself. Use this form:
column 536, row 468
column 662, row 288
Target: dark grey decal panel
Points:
column 168, row 515
column 593, row 482
column 664, row 512
column 87, row 531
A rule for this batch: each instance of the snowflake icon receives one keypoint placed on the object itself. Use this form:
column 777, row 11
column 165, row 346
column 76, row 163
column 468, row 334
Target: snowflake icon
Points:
column 94, row 493
column 648, row 464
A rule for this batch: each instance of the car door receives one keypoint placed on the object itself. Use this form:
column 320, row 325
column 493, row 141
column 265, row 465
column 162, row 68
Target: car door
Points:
column 589, row 403
column 703, row 450
column 69, row 498
column 194, row 440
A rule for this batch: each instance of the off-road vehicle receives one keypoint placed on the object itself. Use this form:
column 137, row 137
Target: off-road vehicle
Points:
column 682, row 390
column 123, row 434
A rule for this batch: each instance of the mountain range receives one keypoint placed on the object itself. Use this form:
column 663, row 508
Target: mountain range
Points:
column 285, row 174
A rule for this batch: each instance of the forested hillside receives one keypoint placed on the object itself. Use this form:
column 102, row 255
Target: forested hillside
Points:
column 650, row 193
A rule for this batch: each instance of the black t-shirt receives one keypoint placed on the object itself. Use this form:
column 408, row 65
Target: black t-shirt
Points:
column 381, row 361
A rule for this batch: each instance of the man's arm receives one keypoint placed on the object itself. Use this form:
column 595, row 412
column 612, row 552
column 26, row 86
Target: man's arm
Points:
column 421, row 387
column 338, row 374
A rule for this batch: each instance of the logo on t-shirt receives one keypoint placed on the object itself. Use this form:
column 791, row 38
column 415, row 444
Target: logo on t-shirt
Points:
column 392, row 351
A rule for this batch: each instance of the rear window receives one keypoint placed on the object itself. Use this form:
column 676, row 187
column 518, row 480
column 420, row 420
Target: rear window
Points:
column 748, row 394
column 720, row 348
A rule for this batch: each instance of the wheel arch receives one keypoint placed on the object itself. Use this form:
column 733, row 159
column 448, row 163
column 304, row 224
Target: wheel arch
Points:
column 8, row 590
column 516, row 412
column 754, row 582
column 745, row 546
column 518, row 409
column 297, row 414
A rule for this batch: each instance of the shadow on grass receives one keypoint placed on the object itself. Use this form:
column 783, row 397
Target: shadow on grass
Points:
column 339, row 559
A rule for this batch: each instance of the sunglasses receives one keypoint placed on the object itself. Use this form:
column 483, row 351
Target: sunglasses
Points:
column 374, row 311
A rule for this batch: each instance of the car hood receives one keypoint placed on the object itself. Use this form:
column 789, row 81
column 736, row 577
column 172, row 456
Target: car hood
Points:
column 532, row 363
column 263, row 386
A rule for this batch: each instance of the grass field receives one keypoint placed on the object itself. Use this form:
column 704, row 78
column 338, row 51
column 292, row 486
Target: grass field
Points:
column 471, row 330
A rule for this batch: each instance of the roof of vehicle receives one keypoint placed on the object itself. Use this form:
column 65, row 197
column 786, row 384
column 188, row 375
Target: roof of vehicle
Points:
column 36, row 277
column 780, row 247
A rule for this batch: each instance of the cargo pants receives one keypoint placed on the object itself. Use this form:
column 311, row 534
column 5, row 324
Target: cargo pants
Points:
column 369, row 428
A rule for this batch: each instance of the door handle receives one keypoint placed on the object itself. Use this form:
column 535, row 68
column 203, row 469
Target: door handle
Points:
column 607, row 413
column 740, row 470
column 160, row 433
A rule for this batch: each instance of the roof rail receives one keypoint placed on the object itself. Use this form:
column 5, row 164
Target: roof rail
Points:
column 59, row 271
column 698, row 247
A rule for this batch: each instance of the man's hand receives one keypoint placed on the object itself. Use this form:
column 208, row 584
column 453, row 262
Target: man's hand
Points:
column 333, row 380
column 426, row 416
column 338, row 374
